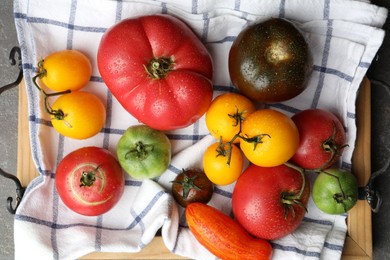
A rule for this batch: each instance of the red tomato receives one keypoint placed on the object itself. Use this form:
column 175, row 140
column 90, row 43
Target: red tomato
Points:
column 89, row 181
column 158, row 70
column 322, row 139
column 266, row 200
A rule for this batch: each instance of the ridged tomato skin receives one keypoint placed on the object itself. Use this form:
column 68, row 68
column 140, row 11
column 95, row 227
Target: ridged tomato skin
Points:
column 158, row 70
column 257, row 200
column 223, row 236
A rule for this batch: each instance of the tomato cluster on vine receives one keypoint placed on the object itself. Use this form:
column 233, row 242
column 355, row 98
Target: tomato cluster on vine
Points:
column 281, row 151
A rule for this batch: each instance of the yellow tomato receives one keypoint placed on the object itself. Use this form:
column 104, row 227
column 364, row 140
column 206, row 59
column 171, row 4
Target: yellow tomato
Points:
column 66, row 69
column 216, row 164
column 224, row 115
column 277, row 135
column 79, row 115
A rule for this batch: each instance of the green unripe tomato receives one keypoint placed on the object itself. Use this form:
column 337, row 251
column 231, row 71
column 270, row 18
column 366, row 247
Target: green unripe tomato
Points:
column 335, row 191
column 143, row 152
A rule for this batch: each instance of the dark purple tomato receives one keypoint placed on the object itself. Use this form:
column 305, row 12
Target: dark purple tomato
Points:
column 270, row 61
column 192, row 185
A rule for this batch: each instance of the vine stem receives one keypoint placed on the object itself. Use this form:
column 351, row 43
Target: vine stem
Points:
column 330, row 146
column 238, row 117
column 59, row 114
column 302, row 172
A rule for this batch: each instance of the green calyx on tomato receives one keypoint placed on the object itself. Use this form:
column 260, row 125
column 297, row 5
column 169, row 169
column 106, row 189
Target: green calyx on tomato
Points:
column 238, row 117
column 330, row 146
column 88, row 177
column 289, row 199
column 42, row 72
column 144, row 152
column 158, row 68
column 140, row 151
column 188, row 184
column 225, row 150
column 257, row 139
column 192, row 185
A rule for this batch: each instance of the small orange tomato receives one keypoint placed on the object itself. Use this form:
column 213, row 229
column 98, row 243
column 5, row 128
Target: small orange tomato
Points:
column 277, row 138
column 78, row 115
column 218, row 167
column 65, row 70
column 225, row 113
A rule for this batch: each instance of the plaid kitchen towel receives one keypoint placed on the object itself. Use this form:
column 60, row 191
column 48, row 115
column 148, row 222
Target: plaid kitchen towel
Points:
column 344, row 36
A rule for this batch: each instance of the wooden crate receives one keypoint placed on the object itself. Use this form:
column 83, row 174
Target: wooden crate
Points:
column 358, row 244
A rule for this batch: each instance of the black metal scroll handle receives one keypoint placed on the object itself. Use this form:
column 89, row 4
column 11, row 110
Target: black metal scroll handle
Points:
column 368, row 192
column 19, row 188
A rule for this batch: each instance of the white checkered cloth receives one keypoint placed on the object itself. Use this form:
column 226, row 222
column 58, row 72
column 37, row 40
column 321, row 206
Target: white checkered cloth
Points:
column 344, row 36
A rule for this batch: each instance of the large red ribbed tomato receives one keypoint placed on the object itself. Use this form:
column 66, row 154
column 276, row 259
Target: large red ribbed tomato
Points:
column 90, row 181
column 158, row 70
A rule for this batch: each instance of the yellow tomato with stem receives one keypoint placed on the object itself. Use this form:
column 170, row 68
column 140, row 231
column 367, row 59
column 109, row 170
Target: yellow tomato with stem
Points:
column 269, row 138
column 226, row 113
column 223, row 163
column 65, row 70
column 78, row 115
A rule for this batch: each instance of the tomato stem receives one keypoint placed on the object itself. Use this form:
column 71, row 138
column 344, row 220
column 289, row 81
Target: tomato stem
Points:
column 330, row 146
column 225, row 149
column 57, row 114
column 158, row 68
column 238, row 119
column 88, row 178
column 257, row 139
column 187, row 184
column 140, row 151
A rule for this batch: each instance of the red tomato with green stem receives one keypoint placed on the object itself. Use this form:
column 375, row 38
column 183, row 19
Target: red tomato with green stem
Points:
column 270, row 202
column 322, row 139
column 158, row 70
column 90, row 181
